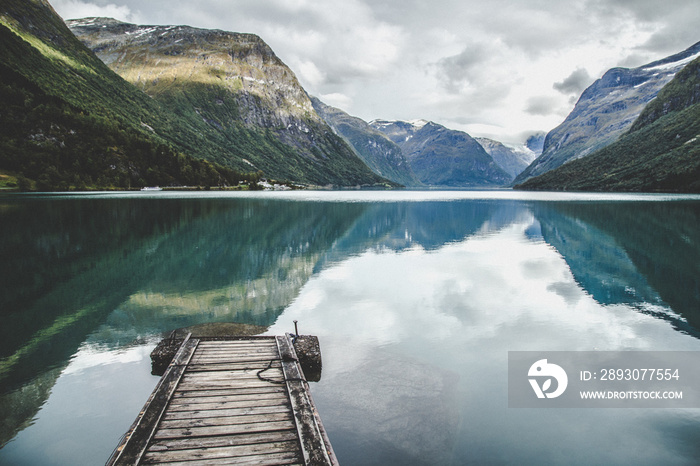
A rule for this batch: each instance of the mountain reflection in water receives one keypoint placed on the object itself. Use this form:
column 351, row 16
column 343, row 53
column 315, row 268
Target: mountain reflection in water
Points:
column 409, row 298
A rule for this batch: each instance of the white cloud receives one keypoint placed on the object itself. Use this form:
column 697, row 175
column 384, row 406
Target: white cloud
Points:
column 73, row 9
column 541, row 105
column 308, row 72
column 337, row 100
column 483, row 64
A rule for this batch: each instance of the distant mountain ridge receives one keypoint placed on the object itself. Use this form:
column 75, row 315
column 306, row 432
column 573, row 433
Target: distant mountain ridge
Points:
column 605, row 110
column 661, row 151
column 235, row 101
column 381, row 154
column 214, row 107
column 443, row 157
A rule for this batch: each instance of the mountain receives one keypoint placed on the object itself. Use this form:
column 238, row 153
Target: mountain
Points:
column 443, row 157
column 606, row 110
column 380, row 153
column 536, row 142
column 385, row 156
column 511, row 159
column 237, row 103
column 661, row 152
column 69, row 122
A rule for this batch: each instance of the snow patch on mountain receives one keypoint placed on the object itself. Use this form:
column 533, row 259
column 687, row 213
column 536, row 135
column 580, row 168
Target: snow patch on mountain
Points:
column 673, row 65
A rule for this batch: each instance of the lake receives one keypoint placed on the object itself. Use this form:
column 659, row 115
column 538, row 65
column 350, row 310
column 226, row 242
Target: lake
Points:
column 416, row 297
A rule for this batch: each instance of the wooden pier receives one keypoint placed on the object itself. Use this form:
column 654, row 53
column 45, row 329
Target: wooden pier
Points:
column 229, row 401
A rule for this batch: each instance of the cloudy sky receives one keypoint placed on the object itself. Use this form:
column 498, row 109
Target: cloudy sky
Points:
column 499, row 68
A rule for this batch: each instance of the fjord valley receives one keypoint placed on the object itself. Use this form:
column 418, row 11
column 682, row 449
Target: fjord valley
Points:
column 379, row 152
column 417, row 296
column 72, row 123
column 181, row 106
column 131, row 105
column 235, row 100
column 224, row 81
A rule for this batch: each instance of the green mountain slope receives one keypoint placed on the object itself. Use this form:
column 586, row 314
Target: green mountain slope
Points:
column 68, row 121
column 605, row 111
column 380, row 153
column 661, row 152
column 235, row 101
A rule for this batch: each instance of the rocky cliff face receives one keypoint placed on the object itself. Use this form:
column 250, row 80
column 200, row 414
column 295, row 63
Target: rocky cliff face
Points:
column 443, row 157
column 661, row 151
column 233, row 93
column 380, row 153
column 158, row 59
column 605, row 111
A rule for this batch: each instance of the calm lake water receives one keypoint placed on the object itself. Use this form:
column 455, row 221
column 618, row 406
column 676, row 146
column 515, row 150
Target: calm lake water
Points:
column 416, row 297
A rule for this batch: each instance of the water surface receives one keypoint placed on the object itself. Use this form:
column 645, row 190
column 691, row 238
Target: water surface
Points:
column 417, row 297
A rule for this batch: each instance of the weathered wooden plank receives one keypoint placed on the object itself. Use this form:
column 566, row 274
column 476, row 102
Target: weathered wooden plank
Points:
column 243, row 372
column 241, row 359
column 224, row 452
column 281, row 408
column 227, row 398
column 232, row 358
column 242, row 451
column 237, row 350
column 269, row 343
column 238, row 338
column 194, row 402
column 199, row 385
column 197, row 407
column 214, row 403
column 141, row 433
column 271, row 388
column 243, row 341
column 217, row 346
column 272, row 372
column 247, row 342
column 225, row 420
column 255, row 460
column 258, row 385
column 237, row 361
column 240, row 382
column 214, row 377
column 223, row 430
column 223, row 440
column 228, row 365
column 234, row 375
column 234, row 355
